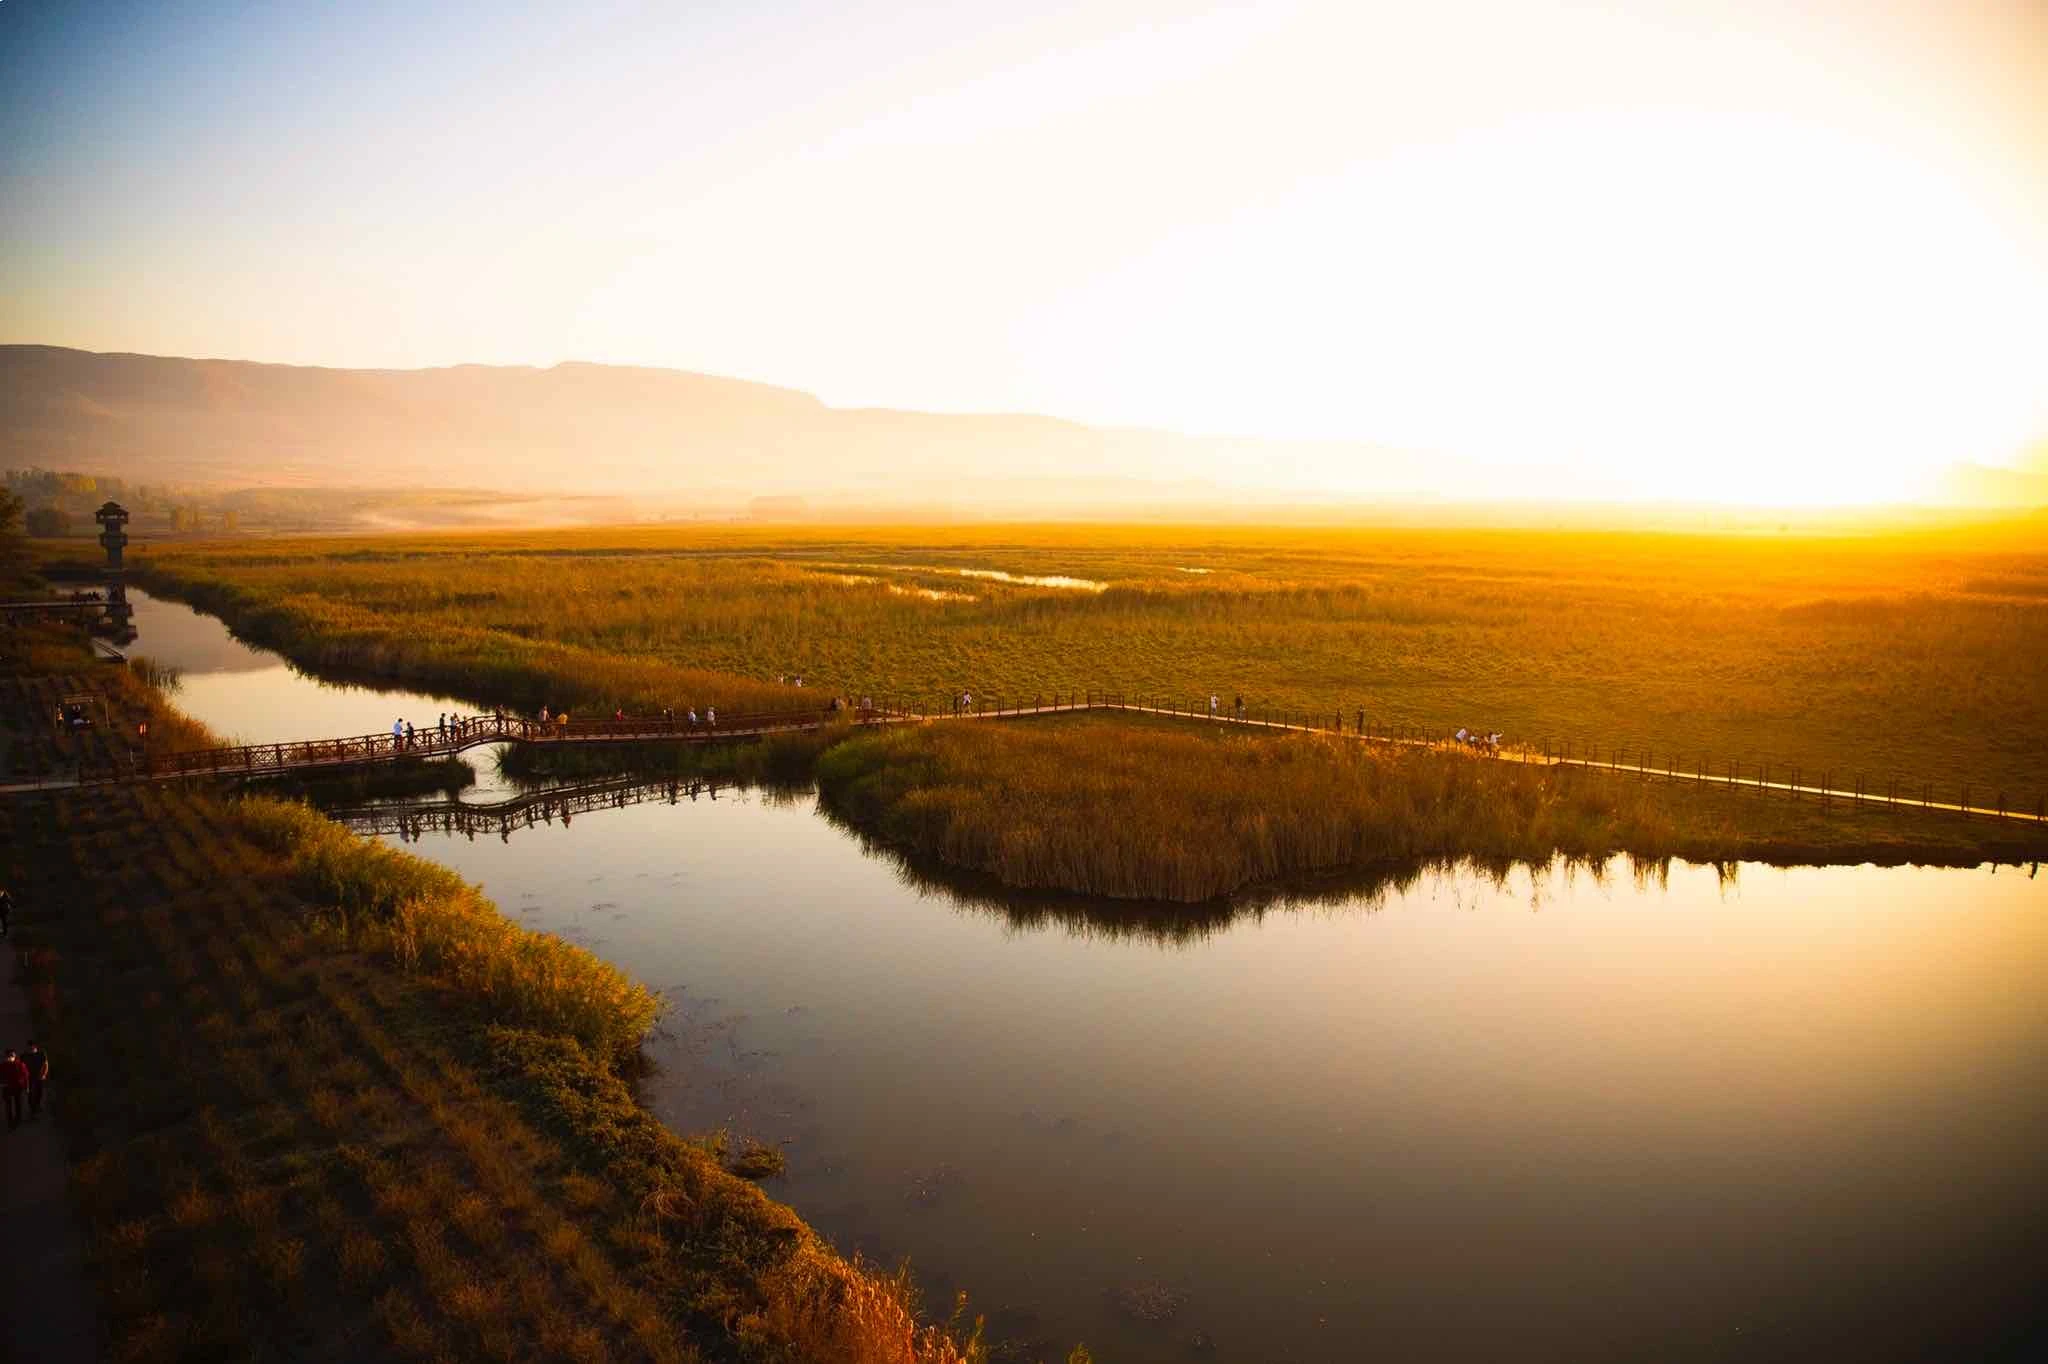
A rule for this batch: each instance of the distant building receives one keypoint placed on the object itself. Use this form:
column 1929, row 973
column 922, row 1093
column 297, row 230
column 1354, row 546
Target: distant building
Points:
column 113, row 519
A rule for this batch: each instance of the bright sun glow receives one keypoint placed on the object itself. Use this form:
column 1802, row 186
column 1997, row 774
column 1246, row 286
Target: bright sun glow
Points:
column 1680, row 249
column 1688, row 307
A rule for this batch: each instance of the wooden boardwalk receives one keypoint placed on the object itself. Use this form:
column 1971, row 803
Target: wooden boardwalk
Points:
column 1895, row 795
column 314, row 756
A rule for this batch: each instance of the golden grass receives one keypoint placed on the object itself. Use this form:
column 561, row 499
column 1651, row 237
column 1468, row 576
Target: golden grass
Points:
column 425, row 918
column 1098, row 805
column 1914, row 655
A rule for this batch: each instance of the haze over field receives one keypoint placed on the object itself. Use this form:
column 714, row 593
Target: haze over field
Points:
column 681, row 441
column 607, row 429
column 1678, row 250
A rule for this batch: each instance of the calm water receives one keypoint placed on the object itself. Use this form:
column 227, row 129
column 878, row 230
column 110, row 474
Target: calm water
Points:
column 1799, row 1113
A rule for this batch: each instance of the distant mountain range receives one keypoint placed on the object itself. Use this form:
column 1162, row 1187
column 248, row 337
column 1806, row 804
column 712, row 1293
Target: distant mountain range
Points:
column 605, row 429
column 1980, row 485
column 677, row 442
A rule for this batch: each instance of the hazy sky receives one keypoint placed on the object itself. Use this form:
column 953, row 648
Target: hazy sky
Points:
column 1714, row 249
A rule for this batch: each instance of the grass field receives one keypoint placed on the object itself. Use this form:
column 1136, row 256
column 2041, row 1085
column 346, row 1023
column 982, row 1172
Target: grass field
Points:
column 1921, row 656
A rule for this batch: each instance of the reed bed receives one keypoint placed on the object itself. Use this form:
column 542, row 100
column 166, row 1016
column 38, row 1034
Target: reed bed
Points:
column 1914, row 655
column 1095, row 805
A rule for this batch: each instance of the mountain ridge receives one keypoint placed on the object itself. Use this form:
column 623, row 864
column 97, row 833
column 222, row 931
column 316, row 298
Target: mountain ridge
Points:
column 574, row 426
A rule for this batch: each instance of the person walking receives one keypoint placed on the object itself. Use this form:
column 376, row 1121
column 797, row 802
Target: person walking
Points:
column 37, row 1061
column 6, row 909
column 398, row 733
column 13, row 1083
column 711, row 717
column 409, row 735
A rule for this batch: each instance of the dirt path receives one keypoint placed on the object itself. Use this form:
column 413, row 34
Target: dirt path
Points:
column 47, row 1312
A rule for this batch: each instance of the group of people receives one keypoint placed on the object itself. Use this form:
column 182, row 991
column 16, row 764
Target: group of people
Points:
column 447, row 726
column 1472, row 738
column 23, row 1074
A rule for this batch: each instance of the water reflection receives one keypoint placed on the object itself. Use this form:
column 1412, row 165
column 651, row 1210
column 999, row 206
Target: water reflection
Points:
column 253, row 696
column 532, row 807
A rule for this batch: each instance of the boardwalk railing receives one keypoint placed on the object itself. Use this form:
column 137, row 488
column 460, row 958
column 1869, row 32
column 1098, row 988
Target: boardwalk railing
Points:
column 1793, row 781
column 464, row 732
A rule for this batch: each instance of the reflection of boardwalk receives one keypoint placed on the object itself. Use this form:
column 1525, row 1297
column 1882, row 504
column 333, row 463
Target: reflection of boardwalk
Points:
column 505, row 817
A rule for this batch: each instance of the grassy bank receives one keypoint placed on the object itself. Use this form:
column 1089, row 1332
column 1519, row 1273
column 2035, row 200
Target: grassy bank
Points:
column 323, row 1102
column 1100, row 806
column 525, row 669
column 775, row 760
column 1914, row 655
column 389, row 781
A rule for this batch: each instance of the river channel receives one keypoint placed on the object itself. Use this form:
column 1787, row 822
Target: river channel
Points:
column 1773, row 1114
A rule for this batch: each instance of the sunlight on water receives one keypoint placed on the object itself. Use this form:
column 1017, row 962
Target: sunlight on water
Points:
column 992, row 575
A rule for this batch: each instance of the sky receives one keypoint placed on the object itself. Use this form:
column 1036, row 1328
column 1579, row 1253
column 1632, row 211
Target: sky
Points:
column 1720, row 251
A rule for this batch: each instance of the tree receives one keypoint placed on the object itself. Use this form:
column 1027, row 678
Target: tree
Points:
column 11, row 508
column 47, row 521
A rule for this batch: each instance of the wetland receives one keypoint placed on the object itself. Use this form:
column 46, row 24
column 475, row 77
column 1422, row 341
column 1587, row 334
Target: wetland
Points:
column 1685, row 1110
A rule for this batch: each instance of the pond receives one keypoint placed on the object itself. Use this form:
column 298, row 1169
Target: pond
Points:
column 1560, row 1116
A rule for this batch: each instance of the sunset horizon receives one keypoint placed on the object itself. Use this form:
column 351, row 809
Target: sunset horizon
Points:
column 1693, row 252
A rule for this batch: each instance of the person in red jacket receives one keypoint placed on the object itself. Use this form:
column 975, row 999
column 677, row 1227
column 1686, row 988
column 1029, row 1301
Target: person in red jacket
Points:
column 13, row 1080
